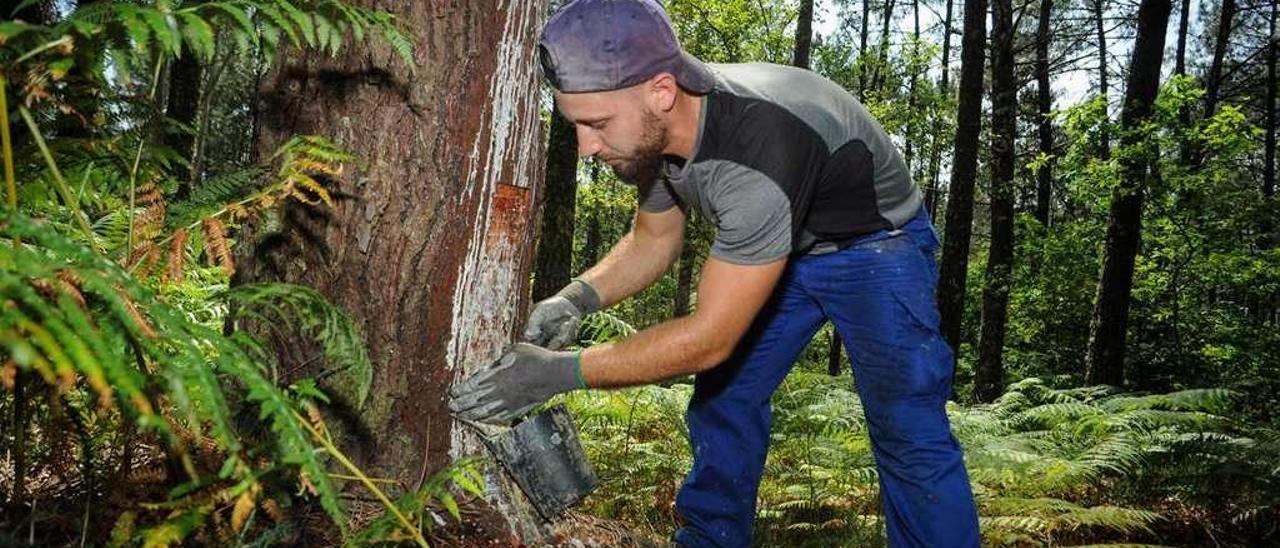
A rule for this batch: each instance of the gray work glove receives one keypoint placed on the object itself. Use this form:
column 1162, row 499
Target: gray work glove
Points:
column 554, row 321
column 507, row 389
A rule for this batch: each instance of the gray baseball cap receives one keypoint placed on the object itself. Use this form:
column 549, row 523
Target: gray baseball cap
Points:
column 603, row 45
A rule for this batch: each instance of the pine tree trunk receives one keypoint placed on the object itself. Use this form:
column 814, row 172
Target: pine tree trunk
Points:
column 933, row 195
column 909, row 153
column 989, row 380
column 1180, row 57
column 1104, row 363
column 862, row 51
column 1213, row 81
column 804, row 35
column 955, row 245
column 1270, row 237
column 1044, row 95
column 1099, row 16
column 833, row 354
column 1269, row 155
column 428, row 246
column 553, row 262
column 185, row 74
column 684, row 277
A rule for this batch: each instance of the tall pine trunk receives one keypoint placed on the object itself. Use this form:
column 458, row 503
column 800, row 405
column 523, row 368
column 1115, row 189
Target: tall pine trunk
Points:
column 1269, row 155
column 553, row 262
column 182, row 105
column 933, row 194
column 681, row 305
column 1099, row 17
column 1104, row 363
column 989, row 380
column 1180, row 55
column 1213, row 80
column 804, row 35
column 964, row 171
column 1044, row 103
column 862, row 52
column 429, row 246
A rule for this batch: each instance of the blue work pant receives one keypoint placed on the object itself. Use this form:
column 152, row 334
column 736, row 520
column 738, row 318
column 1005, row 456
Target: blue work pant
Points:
column 879, row 294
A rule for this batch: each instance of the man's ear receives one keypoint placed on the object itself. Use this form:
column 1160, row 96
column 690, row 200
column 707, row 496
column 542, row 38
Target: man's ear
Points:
column 662, row 91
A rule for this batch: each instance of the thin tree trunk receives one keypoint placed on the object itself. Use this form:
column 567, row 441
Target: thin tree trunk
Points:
column 553, row 261
column 1104, row 138
column 804, row 35
column 1269, row 162
column 183, row 101
column 1104, row 363
column 862, row 52
column 933, row 194
column 1213, row 81
column 909, row 153
column 964, row 170
column 882, row 55
column 684, row 276
column 1044, row 93
column 833, row 354
column 989, row 380
column 429, row 248
column 1180, row 58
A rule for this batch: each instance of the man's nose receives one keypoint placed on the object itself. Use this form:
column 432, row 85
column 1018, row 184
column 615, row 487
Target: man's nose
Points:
column 588, row 145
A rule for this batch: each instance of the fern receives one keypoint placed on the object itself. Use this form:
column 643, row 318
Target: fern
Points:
column 306, row 310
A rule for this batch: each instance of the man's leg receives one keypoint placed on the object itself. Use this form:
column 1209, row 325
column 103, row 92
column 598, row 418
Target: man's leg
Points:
column 729, row 419
column 880, row 295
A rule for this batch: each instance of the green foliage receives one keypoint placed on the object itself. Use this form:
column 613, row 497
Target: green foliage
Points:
column 421, row 507
column 78, row 316
column 274, row 307
column 1048, row 466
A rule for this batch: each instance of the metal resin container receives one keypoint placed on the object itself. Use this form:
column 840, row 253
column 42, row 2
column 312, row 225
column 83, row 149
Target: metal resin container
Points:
column 542, row 453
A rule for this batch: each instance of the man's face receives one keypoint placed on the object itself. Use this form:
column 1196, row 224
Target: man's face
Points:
column 618, row 128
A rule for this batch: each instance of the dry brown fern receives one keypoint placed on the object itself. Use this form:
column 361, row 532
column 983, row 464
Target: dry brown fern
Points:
column 215, row 244
column 173, row 271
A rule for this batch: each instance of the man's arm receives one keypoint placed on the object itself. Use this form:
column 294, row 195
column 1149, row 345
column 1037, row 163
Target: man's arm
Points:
column 639, row 258
column 729, row 297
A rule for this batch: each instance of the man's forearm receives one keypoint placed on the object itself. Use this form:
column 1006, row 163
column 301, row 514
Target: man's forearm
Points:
column 675, row 348
column 633, row 264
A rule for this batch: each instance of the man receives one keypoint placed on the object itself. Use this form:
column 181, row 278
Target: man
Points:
column 817, row 220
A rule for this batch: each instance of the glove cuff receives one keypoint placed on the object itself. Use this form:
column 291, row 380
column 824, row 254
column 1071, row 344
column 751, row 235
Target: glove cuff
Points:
column 581, row 295
column 568, row 372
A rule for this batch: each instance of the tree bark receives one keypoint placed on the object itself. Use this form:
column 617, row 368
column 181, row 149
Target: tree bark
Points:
column 1044, row 95
column 1104, row 363
column 955, row 245
column 182, row 105
column 553, row 262
column 1104, row 138
column 428, row 246
column 1180, row 58
column 1213, row 81
column 804, row 35
column 684, row 276
column 1269, row 155
column 862, row 51
column 833, row 353
column 933, row 194
column 989, row 380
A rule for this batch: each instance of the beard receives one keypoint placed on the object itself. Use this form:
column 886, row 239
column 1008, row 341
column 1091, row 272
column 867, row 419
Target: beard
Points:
column 643, row 166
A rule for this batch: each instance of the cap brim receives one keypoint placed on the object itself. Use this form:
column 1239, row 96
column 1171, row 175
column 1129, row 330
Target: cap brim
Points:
column 695, row 75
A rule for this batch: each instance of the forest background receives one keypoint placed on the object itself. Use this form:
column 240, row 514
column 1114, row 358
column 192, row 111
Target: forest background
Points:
column 248, row 245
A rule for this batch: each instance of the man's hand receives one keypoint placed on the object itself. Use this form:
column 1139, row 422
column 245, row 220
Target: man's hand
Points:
column 523, row 378
column 554, row 321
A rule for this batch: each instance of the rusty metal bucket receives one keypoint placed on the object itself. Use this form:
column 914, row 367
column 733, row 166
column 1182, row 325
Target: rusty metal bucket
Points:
column 544, row 456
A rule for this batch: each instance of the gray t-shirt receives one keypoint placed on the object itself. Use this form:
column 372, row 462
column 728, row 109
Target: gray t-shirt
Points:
column 786, row 162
